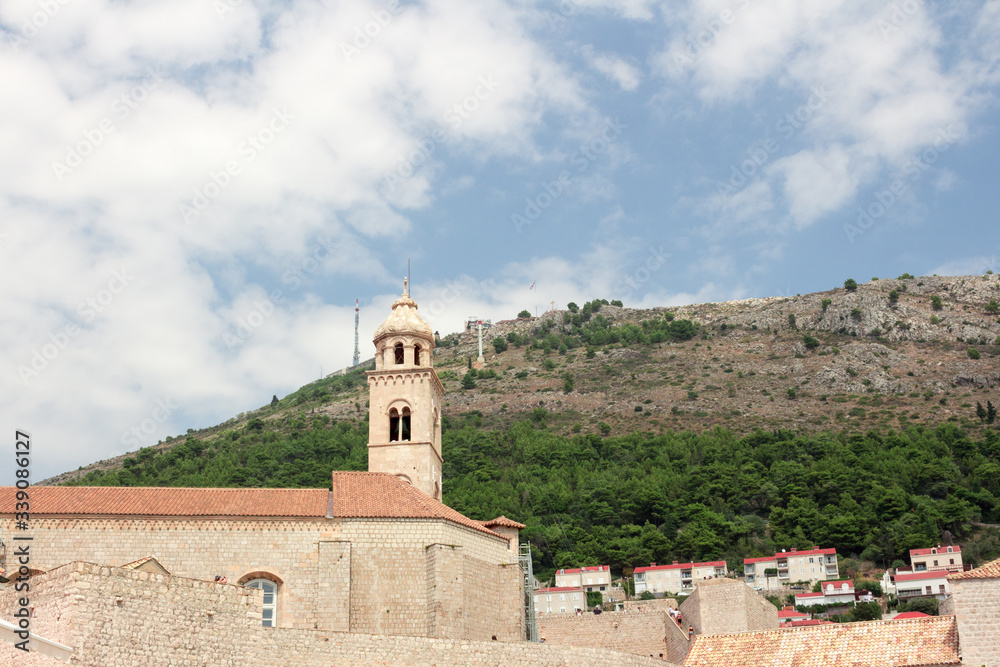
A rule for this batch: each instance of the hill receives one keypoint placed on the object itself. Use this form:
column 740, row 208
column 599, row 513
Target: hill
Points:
column 625, row 436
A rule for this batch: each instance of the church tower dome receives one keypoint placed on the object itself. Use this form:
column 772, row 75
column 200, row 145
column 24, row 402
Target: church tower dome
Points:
column 405, row 398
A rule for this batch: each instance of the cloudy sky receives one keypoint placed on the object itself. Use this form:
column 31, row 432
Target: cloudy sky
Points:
column 193, row 193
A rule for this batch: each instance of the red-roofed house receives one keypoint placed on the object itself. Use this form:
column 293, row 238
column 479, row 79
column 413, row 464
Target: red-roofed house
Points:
column 804, row 567
column 677, row 578
column 937, row 559
column 919, row 584
column 597, row 578
column 789, row 615
column 376, row 552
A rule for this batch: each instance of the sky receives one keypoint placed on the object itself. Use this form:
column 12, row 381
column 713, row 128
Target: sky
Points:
column 193, row 193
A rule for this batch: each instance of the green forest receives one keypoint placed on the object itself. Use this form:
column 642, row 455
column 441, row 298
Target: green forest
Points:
column 628, row 501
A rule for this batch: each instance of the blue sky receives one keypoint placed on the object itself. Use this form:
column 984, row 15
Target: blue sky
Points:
column 194, row 193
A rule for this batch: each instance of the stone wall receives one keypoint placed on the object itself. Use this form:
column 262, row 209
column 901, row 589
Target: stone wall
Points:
column 976, row 606
column 678, row 642
column 113, row 616
column 659, row 604
column 357, row 575
column 641, row 633
column 723, row 606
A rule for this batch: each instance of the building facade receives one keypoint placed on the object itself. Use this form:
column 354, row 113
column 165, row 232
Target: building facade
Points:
column 560, row 600
column 376, row 552
column 677, row 578
column 791, row 567
column 589, row 578
column 937, row 559
column 922, row 584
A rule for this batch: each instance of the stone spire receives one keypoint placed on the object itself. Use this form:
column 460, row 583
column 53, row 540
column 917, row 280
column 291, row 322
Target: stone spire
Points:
column 405, row 398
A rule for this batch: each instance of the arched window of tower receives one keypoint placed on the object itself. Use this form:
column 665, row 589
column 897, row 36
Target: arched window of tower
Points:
column 393, row 425
column 416, row 355
column 399, row 353
column 404, row 426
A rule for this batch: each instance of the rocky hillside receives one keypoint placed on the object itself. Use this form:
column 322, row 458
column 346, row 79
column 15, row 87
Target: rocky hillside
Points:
column 887, row 354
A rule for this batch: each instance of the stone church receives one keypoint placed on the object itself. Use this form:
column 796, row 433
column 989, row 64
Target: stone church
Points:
column 377, row 552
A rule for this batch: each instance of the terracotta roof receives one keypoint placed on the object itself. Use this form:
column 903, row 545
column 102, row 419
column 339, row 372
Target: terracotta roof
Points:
column 681, row 566
column 909, row 614
column 989, row 571
column 807, row 622
column 807, row 552
column 377, row 495
column 503, row 521
column 368, row 495
column 908, row 643
column 917, row 576
column 941, row 551
column 560, row 589
column 788, row 554
column 579, row 570
column 791, row 614
column 808, row 595
column 161, row 501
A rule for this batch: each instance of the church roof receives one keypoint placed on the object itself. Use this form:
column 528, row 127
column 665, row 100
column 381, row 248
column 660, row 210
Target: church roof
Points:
column 353, row 495
column 168, row 501
column 404, row 319
column 503, row 521
column 909, row 643
column 381, row 495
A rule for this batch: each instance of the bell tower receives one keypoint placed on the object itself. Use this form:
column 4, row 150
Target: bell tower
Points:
column 405, row 400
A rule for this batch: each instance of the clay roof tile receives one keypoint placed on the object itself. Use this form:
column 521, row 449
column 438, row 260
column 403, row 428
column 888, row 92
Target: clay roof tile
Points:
column 916, row 642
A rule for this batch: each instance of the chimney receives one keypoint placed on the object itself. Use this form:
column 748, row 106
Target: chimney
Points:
column 794, row 549
column 652, row 564
column 675, row 562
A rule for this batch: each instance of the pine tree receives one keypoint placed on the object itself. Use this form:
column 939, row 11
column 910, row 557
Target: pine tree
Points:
column 991, row 412
column 980, row 411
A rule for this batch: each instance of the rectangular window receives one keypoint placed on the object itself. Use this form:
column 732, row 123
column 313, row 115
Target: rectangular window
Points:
column 602, row 588
column 941, row 588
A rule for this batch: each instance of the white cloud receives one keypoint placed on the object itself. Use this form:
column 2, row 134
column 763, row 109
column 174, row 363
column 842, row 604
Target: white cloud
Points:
column 817, row 182
column 279, row 144
column 626, row 75
column 968, row 266
column 887, row 90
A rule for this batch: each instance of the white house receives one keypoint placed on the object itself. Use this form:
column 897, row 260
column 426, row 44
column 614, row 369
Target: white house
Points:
column 922, row 584
column 560, row 600
column 676, row 578
column 808, row 566
column 937, row 559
